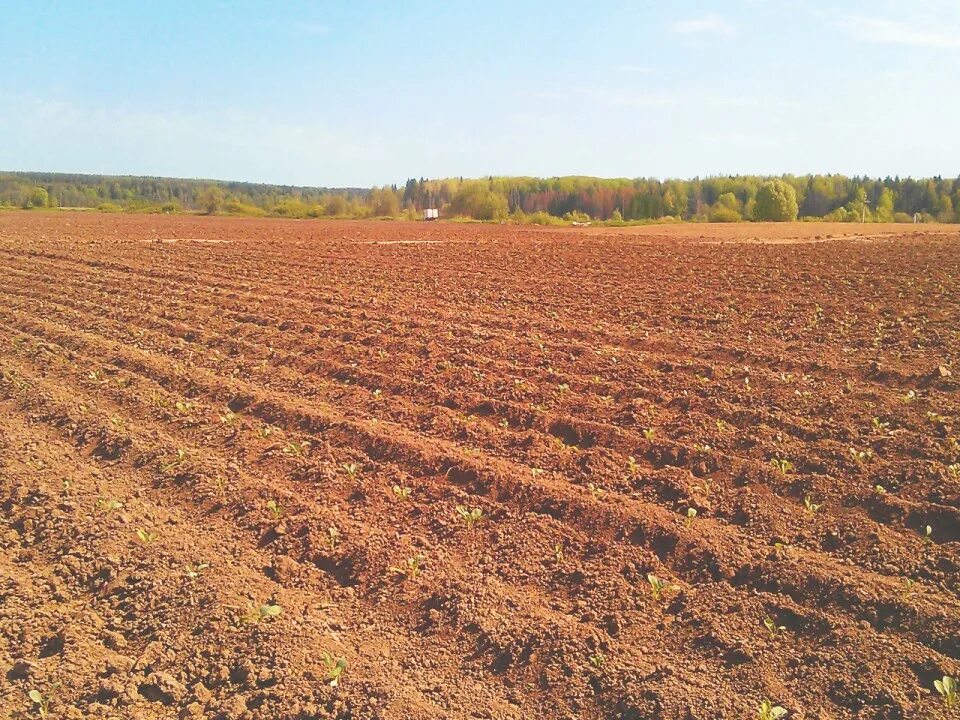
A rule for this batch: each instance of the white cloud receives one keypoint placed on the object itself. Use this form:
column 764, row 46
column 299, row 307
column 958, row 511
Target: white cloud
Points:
column 894, row 32
column 711, row 24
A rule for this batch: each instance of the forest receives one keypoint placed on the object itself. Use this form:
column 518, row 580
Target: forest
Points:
column 516, row 199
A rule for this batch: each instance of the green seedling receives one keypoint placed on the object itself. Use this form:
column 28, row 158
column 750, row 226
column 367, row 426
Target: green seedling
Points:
column 706, row 489
column 769, row 711
column 183, row 407
column 377, row 394
column 782, row 465
column 274, row 508
column 880, row 426
column 649, row 433
column 297, row 448
column 927, row 534
column 771, row 625
column 632, row 465
column 470, row 517
column 691, row 516
column 351, row 470
column 562, row 388
column 722, row 426
column 909, row 397
column 558, row 553
column 658, row 587
column 108, row 505
column 146, row 536
column 265, row 431
column 948, row 691
column 335, row 668
column 179, row 459
column 267, row 611
column 597, row 491
column 909, row 588
column 41, row 701
column 880, row 489
column 810, row 506
column 228, row 418
column 597, row 660
column 410, row 568
column 193, row 571
column 861, row 456
column 536, row 472
column 334, row 535
column 954, row 470
column 95, row 376
column 118, row 422
column 401, row 493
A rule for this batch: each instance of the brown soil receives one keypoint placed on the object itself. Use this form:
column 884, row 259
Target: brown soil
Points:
column 585, row 391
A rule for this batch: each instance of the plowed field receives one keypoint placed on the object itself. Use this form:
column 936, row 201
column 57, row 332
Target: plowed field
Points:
column 228, row 447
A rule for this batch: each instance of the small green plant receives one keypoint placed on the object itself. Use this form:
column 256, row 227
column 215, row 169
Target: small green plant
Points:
column 41, row 701
column 146, row 536
column 265, row 431
column 909, row 397
column 948, row 691
column 597, row 660
column 597, row 491
column 809, row 505
column 193, row 571
column 880, row 489
column 334, row 536
column 908, row 590
column 377, row 394
column 470, row 517
column 769, row 711
column 179, row 459
column 183, row 407
column 274, row 507
column 880, row 426
column 351, row 470
column 297, row 448
column 632, row 466
column 658, row 587
column 861, row 456
column 706, row 489
column 691, row 516
column 118, row 422
column 771, row 625
column 649, row 433
column 335, row 668
column 558, row 553
column 108, row 505
column 411, row 567
column 536, row 472
column 228, row 418
column 927, row 534
column 401, row 493
column 782, row 465
column 954, row 471
column 267, row 611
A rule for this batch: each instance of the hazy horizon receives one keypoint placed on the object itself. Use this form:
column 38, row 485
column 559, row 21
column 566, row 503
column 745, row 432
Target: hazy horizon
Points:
column 333, row 96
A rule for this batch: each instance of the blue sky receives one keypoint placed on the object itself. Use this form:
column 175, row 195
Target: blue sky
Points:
column 360, row 93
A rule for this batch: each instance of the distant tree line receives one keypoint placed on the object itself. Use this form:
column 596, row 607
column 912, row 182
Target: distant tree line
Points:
column 521, row 199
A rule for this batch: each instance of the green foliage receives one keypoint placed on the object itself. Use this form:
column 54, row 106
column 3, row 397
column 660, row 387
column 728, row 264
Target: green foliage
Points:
column 541, row 201
column 948, row 691
column 776, row 202
column 335, row 668
column 658, row 587
column 769, row 711
column 470, row 517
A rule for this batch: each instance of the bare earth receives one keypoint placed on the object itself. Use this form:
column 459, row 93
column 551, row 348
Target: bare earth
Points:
column 189, row 405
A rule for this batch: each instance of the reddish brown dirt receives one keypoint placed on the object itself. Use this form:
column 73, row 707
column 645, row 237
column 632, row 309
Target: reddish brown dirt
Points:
column 497, row 368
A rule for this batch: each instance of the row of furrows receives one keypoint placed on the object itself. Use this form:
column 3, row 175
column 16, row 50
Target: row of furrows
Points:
column 658, row 530
column 666, row 487
column 501, row 326
column 374, row 379
column 492, row 637
column 624, row 442
column 802, row 620
column 142, row 594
